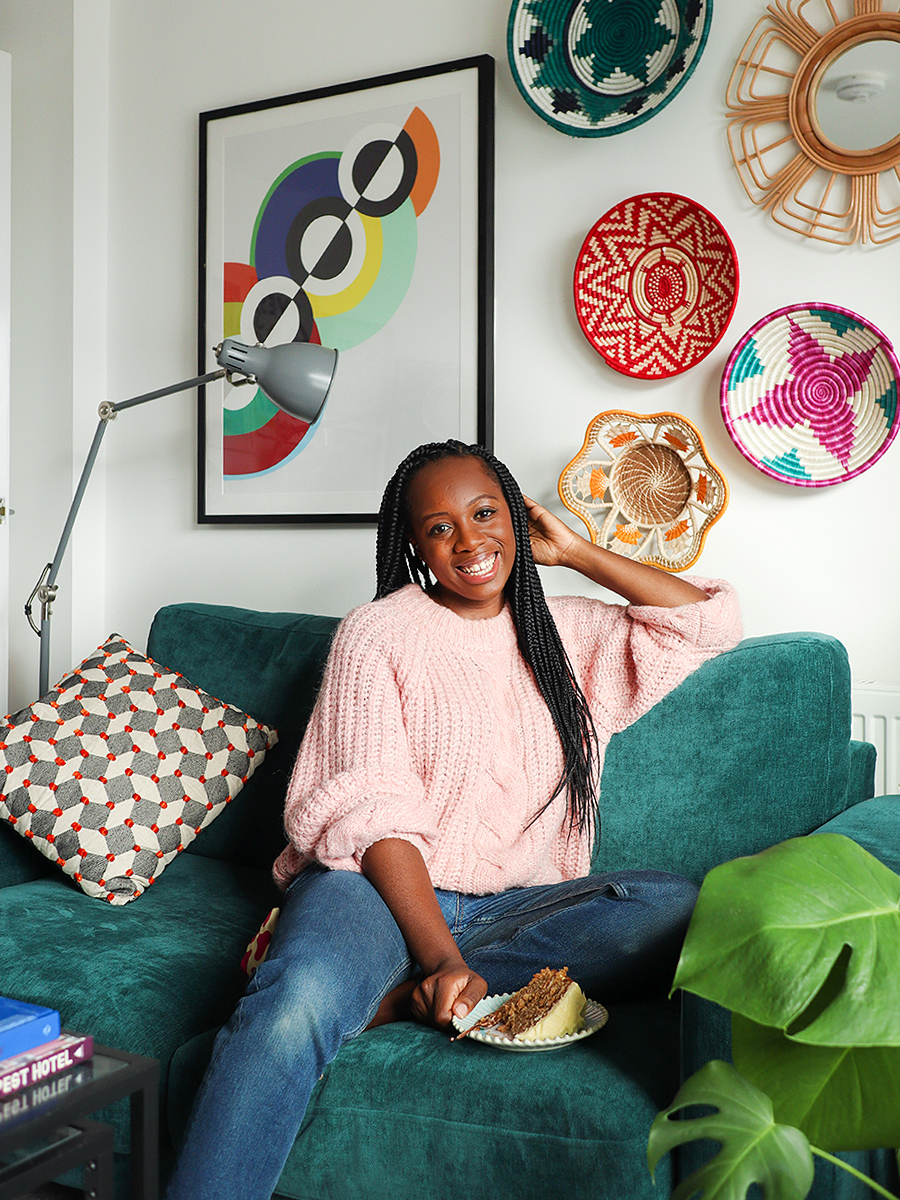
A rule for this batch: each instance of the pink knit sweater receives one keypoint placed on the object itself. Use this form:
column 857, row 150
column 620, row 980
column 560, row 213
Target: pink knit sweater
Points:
column 430, row 727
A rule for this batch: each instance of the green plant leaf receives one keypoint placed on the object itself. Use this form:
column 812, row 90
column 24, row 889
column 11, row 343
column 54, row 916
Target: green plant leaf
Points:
column 841, row 1097
column 803, row 937
column 754, row 1149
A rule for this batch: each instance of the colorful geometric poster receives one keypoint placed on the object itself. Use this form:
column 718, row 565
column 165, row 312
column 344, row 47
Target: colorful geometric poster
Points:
column 357, row 218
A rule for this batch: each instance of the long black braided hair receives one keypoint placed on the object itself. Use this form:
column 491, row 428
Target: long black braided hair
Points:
column 397, row 564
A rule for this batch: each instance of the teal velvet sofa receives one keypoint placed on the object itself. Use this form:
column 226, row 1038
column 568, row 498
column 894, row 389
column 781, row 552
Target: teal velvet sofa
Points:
column 753, row 748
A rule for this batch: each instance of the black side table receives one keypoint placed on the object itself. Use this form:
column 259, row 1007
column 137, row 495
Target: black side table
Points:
column 45, row 1130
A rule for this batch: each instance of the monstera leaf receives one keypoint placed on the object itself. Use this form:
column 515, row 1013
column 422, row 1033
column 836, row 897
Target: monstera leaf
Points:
column 841, row 1097
column 754, row 1149
column 803, row 937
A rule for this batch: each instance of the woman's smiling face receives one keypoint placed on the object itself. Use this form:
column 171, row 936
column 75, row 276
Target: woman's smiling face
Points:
column 462, row 529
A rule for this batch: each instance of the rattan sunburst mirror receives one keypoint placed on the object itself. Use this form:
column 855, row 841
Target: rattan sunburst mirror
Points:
column 805, row 101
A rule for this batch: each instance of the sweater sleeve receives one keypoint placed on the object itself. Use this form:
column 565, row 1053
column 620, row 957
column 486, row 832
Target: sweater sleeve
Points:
column 628, row 658
column 353, row 783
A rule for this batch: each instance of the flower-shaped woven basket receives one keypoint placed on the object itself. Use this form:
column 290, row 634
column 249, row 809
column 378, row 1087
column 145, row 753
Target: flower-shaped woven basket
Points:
column 809, row 395
column 645, row 487
column 597, row 67
column 655, row 285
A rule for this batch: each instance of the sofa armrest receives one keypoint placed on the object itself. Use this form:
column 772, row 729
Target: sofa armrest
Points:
column 751, row 749
column 861, row 784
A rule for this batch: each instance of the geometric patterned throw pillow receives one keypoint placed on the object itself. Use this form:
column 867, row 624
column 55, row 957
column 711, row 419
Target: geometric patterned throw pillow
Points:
column 120, row 766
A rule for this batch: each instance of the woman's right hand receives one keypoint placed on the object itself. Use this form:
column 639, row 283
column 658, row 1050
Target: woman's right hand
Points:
column 397, row 871
column 451, row 990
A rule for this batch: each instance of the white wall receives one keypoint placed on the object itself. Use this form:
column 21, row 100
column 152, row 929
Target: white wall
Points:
column 824, row 558
column 41, row 266
column 5, row 240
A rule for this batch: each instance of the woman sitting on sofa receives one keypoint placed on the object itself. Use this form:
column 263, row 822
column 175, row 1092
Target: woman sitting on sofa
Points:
column 443, row 806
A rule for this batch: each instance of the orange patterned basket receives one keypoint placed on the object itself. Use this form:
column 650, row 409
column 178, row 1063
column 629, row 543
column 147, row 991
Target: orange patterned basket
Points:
column 645, row 487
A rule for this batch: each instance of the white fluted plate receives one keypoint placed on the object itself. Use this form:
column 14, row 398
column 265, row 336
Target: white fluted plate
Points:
column 595, row 1017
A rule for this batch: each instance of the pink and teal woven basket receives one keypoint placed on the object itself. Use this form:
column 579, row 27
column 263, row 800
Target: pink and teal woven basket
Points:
column 809, row 395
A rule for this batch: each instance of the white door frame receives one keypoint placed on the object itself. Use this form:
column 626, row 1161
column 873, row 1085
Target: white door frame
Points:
column 5, row 251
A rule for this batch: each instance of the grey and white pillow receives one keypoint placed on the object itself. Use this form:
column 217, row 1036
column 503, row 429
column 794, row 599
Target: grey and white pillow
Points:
column 117, row 769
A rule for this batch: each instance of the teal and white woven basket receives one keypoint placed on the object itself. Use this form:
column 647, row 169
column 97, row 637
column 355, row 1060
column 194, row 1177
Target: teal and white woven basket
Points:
column 592, row 68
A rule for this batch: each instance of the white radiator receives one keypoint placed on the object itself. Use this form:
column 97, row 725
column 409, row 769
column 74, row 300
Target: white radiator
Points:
column 876, row 719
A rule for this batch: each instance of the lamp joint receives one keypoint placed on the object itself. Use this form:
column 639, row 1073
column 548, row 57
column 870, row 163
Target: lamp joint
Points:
column 107, row 411
column 235, row 382
column 46, row 595
column 38, row 592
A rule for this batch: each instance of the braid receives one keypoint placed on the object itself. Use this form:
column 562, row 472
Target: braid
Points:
column 536, row 632
column 396, row 563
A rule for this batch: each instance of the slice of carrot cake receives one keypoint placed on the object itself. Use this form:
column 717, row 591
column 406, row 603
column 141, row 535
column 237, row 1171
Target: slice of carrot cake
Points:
column 551, row 1006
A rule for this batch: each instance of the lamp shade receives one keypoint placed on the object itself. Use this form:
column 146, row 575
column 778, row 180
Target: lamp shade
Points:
column 296, row 376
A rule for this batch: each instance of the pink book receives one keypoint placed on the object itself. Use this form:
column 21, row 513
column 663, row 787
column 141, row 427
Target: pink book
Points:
column 44, row 1061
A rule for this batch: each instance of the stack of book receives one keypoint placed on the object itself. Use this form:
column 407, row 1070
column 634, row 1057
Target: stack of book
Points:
column 35, row 1055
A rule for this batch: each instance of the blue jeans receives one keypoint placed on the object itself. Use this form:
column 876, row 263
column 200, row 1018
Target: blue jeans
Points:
column 337, row 952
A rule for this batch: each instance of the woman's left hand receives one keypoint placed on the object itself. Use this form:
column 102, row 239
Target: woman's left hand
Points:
column 552, row 541
column 554, row 544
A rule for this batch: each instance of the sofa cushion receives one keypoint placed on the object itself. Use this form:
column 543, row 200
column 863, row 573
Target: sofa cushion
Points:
column 402, row 1108
column 875, row 824
column 271, row 665
column 672, row 799
column 120, row 766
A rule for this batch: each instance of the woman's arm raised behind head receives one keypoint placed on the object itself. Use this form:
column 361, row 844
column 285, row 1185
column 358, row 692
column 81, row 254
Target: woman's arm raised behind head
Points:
column 553, row 544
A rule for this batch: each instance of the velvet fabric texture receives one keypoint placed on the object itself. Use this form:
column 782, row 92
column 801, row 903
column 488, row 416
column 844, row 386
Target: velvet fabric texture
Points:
column 144, row 977
column 401, row 1095
column 751, row 749
column 875, row 825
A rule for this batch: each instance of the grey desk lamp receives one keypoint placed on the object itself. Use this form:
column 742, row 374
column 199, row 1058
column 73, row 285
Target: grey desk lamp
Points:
column 297, row 377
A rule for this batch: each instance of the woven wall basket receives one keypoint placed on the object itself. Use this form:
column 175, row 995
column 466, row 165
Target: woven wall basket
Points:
column 809, row 395
column 592, row 68
column 645, row 487
column 655, row 285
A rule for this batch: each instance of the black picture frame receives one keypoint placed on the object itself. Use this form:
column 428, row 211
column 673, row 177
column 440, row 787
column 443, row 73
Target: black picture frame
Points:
column 424, row 268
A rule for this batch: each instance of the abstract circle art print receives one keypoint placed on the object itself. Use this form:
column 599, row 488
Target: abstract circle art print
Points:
column 333, row 247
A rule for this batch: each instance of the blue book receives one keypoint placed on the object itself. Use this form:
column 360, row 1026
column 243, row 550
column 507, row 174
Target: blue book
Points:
column 24, row 1026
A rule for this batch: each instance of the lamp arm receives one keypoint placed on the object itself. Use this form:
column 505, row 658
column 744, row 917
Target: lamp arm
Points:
column 45, row 589
column 167, row 391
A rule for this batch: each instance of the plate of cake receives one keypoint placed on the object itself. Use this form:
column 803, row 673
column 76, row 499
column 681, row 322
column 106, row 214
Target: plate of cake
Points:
column 548, row 1013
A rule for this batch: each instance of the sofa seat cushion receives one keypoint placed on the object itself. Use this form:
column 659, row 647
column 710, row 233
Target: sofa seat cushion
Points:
column 403, row 1107
column 145, row 977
